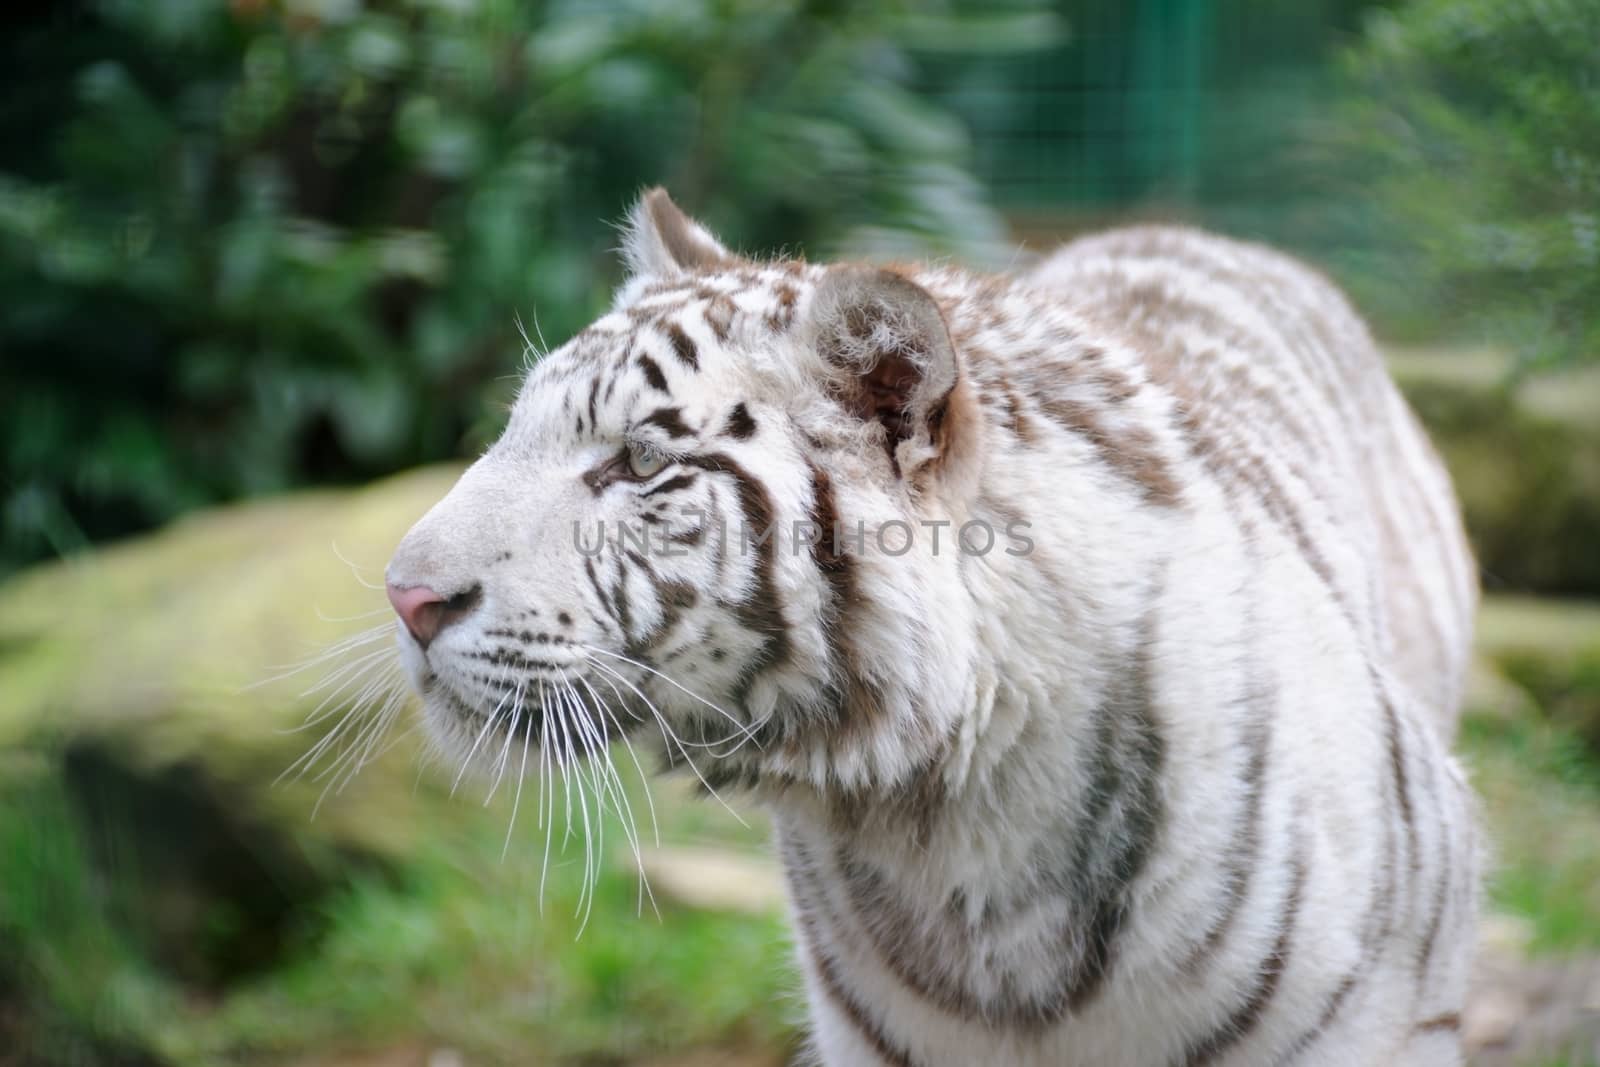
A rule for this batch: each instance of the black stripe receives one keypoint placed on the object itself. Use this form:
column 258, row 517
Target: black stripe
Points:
column 1376, row 926
column 836, row 567
column 673, row 597
column 1268, row 974
column 683, row 347
column 653, row 375
column 599, row 592
column 619, row 594
column 762, row 611
column 1402, row 784
column 741, row 426
column 870, row 1031
column 808, row 901
column 669, row 420
column 1245, row 847
column 1330, row 1012
column 1128, row 776
column 1440, row 896
column 673, row 484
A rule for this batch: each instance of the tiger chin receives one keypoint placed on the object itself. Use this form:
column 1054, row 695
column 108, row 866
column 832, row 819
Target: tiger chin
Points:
column 1094, row 635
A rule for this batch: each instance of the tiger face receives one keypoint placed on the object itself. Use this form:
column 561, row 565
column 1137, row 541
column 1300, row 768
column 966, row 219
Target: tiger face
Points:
column 706, row 524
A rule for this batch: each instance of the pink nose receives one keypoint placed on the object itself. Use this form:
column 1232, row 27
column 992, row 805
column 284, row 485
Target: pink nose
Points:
column 425, row 612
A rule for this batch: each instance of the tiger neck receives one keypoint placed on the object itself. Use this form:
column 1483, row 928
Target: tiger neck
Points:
column 1051, row 768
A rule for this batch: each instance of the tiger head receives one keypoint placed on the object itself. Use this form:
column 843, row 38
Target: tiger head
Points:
column 722, row 517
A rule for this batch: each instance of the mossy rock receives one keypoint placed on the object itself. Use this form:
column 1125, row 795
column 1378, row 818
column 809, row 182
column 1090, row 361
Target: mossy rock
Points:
column 163, row 650
column 1525, row 458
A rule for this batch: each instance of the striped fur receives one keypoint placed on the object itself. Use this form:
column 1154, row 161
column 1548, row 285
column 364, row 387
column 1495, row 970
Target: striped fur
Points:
column 1170, row 787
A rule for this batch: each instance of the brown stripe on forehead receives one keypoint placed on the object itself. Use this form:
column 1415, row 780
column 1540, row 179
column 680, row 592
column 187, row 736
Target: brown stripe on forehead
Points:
column 683, row 346
column 719, row 316
column 669, row 421
column 741, row 426
column 652, row 373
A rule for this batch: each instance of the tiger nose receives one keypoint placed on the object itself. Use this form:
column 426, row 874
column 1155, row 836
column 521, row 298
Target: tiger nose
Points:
column 425, row 612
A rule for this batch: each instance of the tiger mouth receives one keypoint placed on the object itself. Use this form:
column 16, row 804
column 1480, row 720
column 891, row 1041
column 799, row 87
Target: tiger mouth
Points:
column 557, row 711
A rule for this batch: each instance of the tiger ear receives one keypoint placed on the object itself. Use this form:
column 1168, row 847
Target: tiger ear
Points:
column 662, row 242
column 887, row 338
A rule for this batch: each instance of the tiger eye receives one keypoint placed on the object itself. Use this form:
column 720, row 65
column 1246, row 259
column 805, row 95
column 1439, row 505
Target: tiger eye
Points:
column 644, row 461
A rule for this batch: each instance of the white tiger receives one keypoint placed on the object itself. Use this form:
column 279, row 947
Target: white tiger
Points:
column 1144, row 763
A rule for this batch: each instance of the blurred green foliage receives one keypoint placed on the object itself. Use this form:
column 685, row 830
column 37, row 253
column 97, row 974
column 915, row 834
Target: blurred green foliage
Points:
column 251, row 245
column 1484, row 119
column 463, row 946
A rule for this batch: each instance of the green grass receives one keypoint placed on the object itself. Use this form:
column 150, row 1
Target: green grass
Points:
column 1540, row 790
column 458, row 952
column 72, row 986
column 450, row 948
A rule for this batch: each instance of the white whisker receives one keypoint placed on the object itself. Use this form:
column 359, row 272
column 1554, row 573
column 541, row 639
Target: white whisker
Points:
column 547, row 788
column 356, row 756
column 668, row 734
column 352, row 676
column 355, row 569
column 644, row 779
column 333, row 651
column 353, row 714
column 516, row 801
column 614, row 784
column 742, row 727
column 488, row 724
column 505, row 750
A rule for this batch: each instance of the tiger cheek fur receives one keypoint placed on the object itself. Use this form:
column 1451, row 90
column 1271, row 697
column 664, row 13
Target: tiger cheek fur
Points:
column 1152, row 768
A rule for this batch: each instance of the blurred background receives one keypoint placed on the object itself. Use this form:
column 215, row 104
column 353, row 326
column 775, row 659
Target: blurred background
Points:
column 264, row 268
